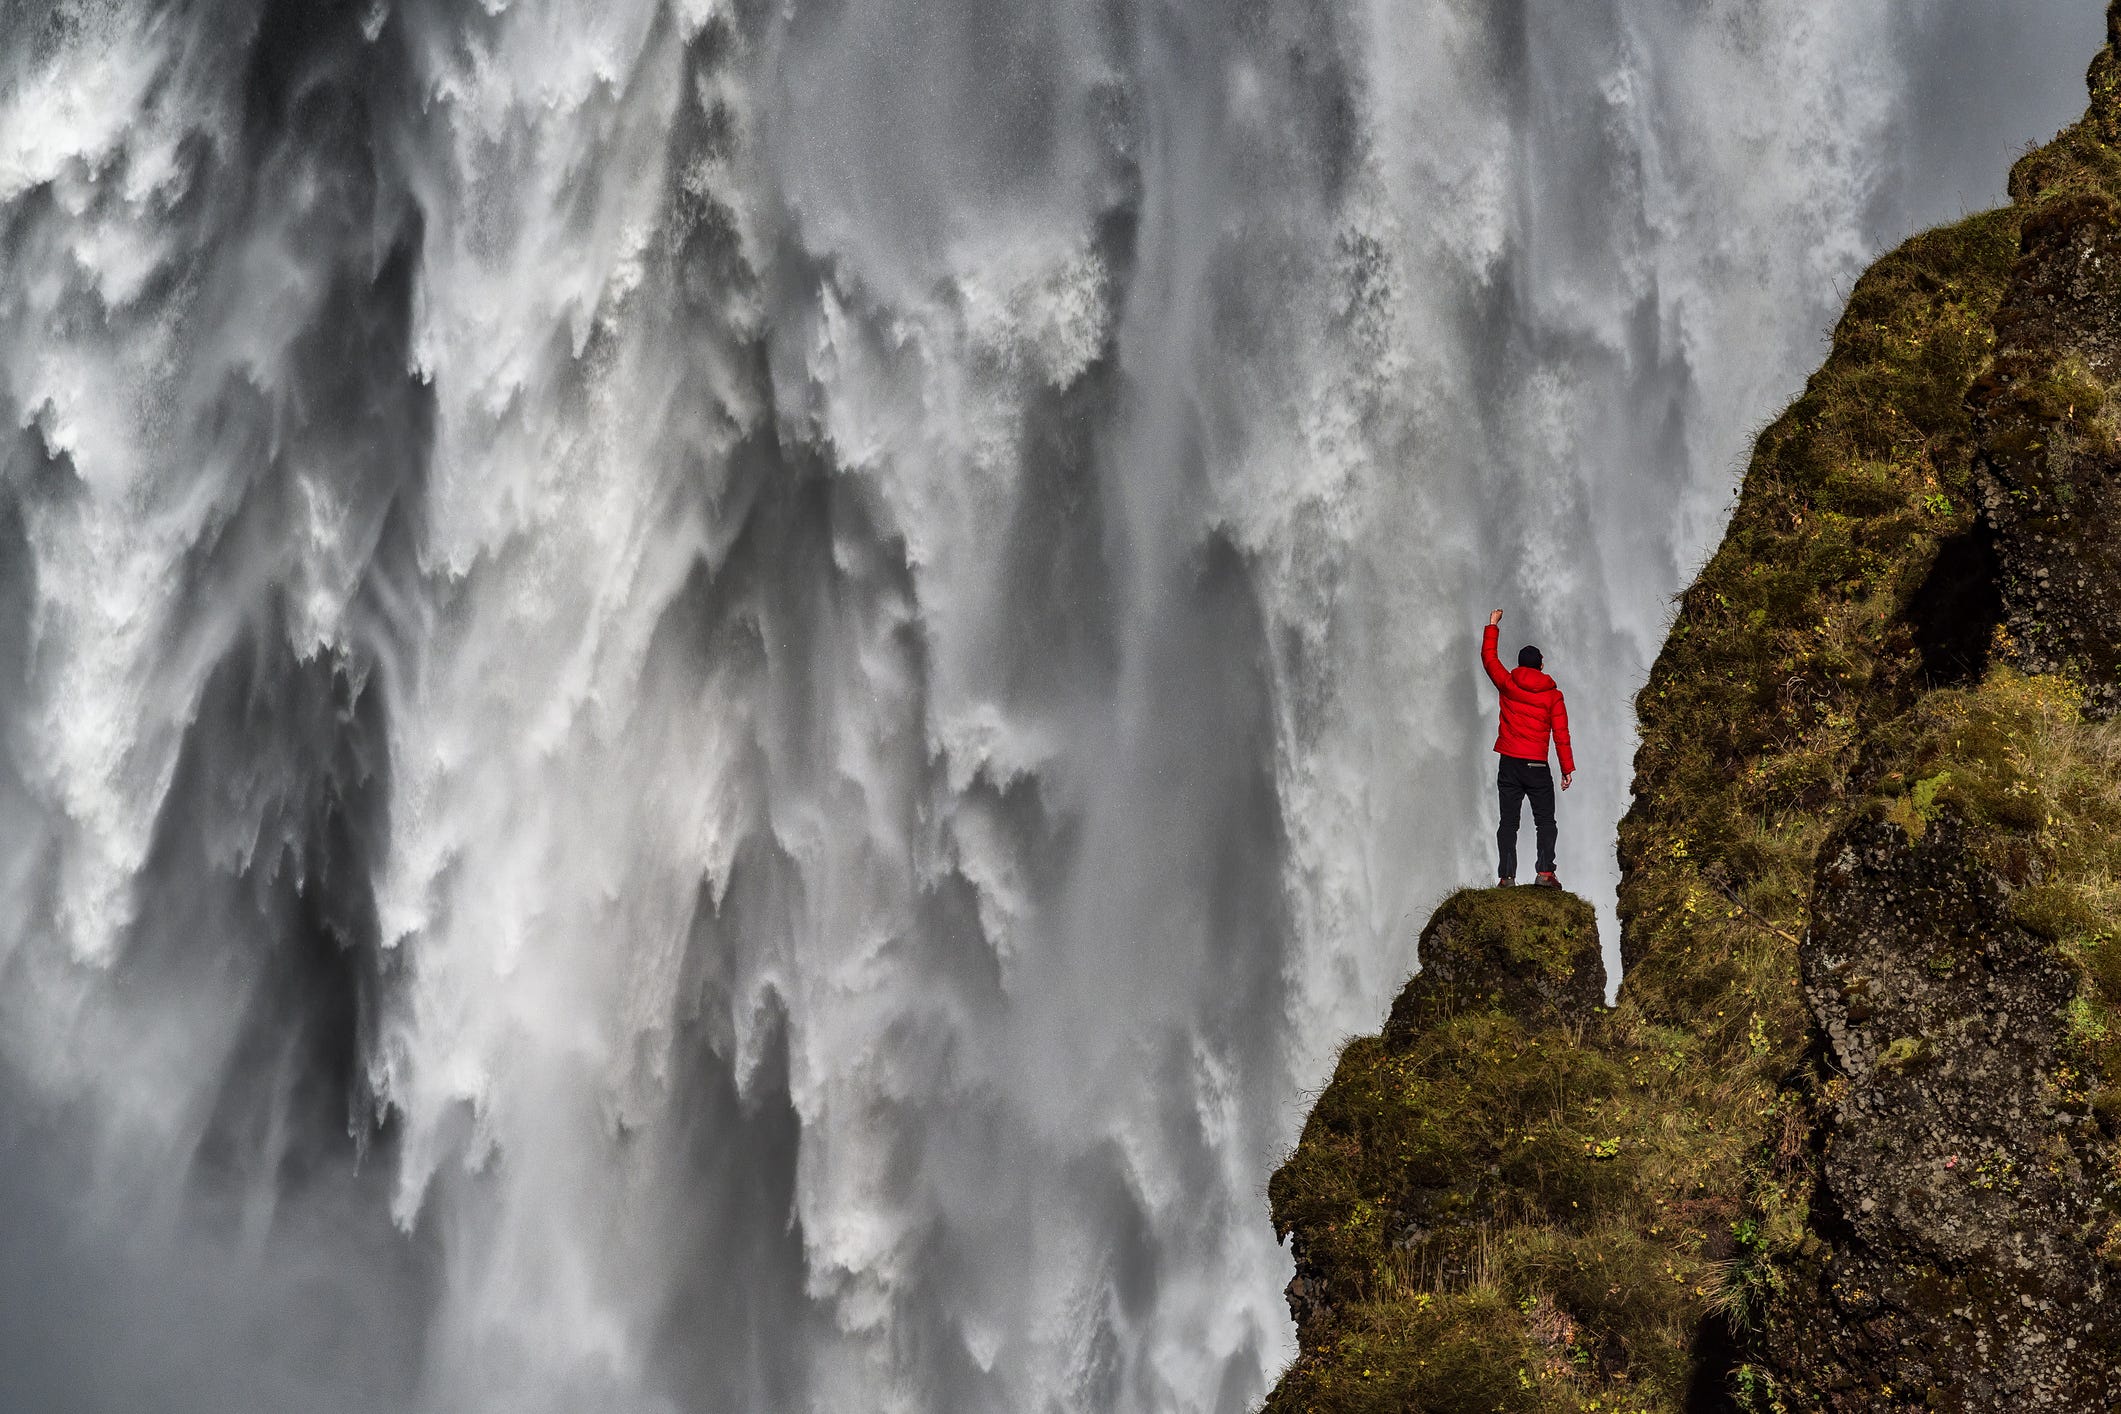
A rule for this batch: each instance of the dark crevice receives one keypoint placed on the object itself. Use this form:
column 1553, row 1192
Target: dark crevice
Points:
column 1716, row 1360
column 1955, row 611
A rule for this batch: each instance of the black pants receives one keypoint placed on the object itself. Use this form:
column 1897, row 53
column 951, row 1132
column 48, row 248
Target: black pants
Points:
column 1516, row 779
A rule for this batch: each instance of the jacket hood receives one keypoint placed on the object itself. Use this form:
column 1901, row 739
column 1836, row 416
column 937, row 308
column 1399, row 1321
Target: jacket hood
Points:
column 1531, row 680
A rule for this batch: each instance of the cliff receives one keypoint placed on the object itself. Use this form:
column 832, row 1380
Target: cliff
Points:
column 1848, row 1141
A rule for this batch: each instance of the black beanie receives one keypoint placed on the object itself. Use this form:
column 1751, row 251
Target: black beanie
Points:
column 1528, row 657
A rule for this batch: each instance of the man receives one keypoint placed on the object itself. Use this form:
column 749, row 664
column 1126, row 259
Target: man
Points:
column 1531, row 708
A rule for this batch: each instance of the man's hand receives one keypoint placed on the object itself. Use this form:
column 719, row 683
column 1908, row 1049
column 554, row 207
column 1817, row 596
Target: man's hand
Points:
column 1494, row 618
column 1566, row 779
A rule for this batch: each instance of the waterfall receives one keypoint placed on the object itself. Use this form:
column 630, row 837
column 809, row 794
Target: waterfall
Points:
column 717, row 706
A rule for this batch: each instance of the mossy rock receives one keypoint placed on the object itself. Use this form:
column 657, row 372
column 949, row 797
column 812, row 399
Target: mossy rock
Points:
column 1451, row 1203
column 2050, row 428
column 1529, row 952
column 1959, row 1192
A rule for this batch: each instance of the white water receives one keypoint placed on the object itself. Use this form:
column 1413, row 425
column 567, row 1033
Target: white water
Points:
column 716, row 706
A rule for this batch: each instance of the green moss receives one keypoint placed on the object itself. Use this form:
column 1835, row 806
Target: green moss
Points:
column 1518, row 950
column 1464, row 1117
column 2039, row 786
column 1903, row 1052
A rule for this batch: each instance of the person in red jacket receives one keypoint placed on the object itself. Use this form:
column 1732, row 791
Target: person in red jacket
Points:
column 1532, row 707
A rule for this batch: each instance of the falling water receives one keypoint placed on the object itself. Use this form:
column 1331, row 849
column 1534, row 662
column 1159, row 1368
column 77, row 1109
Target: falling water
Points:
column 714, row 705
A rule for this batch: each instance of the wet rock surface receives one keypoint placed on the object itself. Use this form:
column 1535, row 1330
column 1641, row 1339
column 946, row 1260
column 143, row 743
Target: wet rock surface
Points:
column 1960, row 1203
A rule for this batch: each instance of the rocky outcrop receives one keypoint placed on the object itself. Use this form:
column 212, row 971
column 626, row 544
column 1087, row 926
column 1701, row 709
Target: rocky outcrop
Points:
column 2051, row 437
column 1423, row 1147
column 1961, row 1187
column 1531, row 954
column 2051, row 446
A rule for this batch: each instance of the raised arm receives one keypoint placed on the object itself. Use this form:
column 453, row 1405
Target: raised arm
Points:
column 1489, row 658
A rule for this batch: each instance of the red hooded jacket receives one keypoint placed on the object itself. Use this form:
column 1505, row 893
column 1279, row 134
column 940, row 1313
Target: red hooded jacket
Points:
column 1531, row 707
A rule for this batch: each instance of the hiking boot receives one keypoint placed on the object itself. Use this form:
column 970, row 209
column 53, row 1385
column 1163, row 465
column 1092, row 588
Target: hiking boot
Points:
column 1506, row 881
column 1546, row 880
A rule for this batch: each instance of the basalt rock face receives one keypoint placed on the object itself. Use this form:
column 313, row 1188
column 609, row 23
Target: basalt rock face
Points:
column 2051, row 449
column 1948, row 1265
column 1850, row 1139
column 2051, row 440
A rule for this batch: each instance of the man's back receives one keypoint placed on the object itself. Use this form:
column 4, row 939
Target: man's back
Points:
column 1532, row 709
